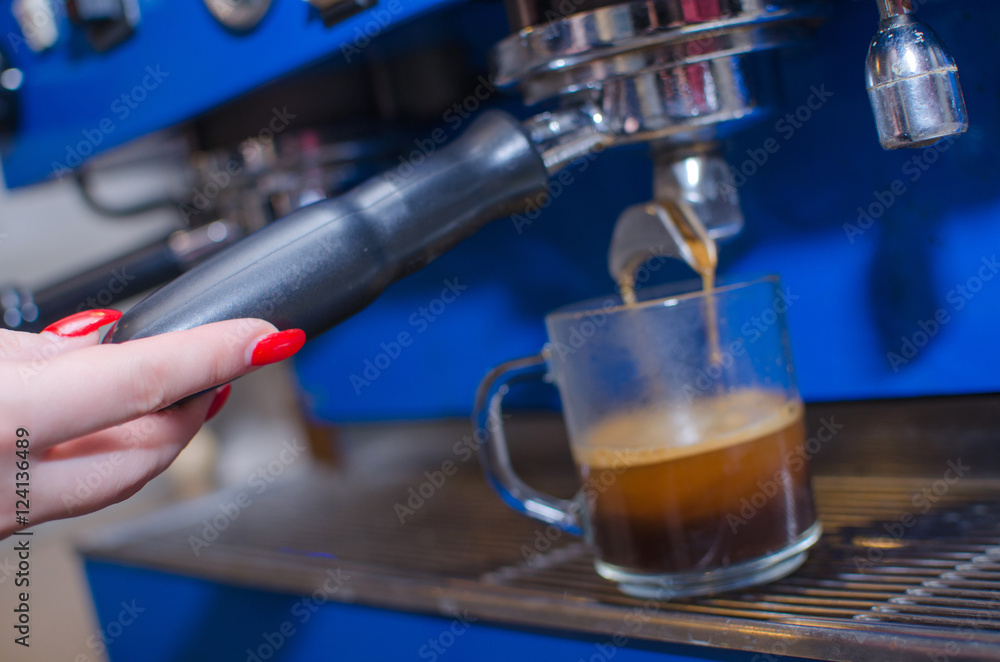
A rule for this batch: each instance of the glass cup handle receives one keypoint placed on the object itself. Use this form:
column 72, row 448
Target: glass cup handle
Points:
column 488, row 419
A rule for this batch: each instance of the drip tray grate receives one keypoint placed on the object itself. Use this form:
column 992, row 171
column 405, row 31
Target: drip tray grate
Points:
column 863, row 590
column 906, row 566
column 943, row 570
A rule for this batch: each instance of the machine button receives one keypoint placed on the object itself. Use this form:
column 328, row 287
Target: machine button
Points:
column 37, row 20
column 239, row 15
column 106, row 23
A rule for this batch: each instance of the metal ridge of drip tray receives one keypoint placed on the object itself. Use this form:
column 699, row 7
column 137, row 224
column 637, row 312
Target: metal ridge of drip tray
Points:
column 908, row 565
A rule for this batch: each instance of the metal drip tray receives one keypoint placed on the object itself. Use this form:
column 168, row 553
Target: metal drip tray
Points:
column 908, row 565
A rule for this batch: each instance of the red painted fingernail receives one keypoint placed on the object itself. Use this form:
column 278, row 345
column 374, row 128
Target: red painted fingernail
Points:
column 277, row 346
column 83, row 323
column 218, row 402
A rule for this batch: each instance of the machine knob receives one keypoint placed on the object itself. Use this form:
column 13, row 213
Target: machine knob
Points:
column 106, row 23
column 912, row 81
column 38, row 22
column 239, row 15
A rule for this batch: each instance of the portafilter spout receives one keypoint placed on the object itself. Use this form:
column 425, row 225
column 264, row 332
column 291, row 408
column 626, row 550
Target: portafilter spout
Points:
column 661, row 228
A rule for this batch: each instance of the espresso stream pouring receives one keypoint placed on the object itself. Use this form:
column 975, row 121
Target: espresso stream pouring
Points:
column 671, row 229
column 662, row 228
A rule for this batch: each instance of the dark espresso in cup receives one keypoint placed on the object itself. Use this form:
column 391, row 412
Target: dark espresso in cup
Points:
column 703, row 486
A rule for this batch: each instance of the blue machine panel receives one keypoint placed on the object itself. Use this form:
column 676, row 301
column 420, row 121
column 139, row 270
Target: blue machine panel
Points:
column 178, row 63
column 158, row 617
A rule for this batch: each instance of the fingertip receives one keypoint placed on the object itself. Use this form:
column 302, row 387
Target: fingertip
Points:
column 275, row 347
column 83, row 323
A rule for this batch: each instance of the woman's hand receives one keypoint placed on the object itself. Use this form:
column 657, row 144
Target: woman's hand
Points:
column 97, row 417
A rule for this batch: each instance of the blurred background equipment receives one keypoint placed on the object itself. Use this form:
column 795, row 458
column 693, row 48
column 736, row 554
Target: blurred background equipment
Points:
column 722, row 105
column 763, row 119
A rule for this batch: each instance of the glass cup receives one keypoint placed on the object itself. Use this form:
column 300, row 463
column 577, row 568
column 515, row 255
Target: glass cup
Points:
column 687, row 432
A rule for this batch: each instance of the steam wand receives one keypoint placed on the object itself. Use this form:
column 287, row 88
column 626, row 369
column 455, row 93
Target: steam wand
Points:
column 912, row 81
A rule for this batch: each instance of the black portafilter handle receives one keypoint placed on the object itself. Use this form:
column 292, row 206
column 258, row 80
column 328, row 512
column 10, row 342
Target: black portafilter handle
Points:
column 323, row 263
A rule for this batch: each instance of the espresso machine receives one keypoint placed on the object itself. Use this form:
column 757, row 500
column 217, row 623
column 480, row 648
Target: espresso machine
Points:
column 452, row 171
